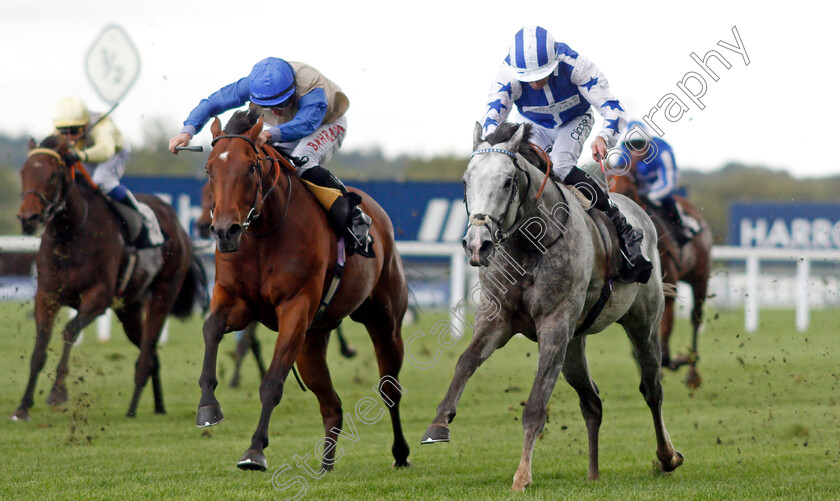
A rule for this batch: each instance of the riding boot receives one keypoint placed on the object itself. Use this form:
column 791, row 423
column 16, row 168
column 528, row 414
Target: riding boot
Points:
column 635, row 267
column 343, row 212
column 151, row 234
column 683, row 232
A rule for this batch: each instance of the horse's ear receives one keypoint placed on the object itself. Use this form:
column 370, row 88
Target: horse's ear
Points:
column 63, row 145
column 216, row 127
column 31, row 143
column 254, row 132
column 513, row 144
column 476, row 135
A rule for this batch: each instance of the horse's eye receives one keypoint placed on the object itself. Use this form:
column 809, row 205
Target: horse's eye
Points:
column 508, row 183
column 253, row 168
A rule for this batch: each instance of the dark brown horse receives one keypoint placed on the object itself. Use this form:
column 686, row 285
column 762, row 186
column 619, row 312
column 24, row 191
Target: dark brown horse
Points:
column 690, row 263
column 275, row 258
column 83, row 262
column 248, row 340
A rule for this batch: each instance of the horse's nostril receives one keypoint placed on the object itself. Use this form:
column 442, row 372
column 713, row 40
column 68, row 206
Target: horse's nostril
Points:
column 486, row 246
column 235, row 230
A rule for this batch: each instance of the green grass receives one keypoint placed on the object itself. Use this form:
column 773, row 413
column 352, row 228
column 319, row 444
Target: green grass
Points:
column 764, row 425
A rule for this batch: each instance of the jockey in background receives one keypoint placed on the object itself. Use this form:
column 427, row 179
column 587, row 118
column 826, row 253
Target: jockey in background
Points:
column 104, row 151
column 554, row 88
column 656, row 176
column 306, row 113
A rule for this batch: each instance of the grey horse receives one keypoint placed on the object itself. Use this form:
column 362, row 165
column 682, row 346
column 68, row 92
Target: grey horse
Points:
column 543, row 269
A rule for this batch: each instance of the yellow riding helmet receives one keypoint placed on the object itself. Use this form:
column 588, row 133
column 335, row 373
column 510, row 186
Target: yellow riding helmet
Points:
column 71, row 112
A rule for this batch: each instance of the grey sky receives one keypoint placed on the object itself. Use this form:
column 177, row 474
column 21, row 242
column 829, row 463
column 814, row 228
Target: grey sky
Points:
column 418, row 75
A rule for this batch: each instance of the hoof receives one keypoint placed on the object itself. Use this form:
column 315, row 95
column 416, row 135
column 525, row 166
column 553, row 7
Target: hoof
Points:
column 209, row 415
column 160, row 411
column 234, row 383
column 693, row 379
column 520, row 483
column 57, row 397
column 131, row 414
column 436, row 433
column 402, row 464
column 252, row 460
column 20, row 415
column 676, row 460
column 349, row 351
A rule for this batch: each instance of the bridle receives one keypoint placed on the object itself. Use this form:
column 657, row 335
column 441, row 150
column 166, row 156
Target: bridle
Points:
column 252, row 214
column 59, row 202
column 479, row 219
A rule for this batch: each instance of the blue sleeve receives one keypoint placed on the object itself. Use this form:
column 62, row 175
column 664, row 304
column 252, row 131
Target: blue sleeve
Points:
column 666, row 181
column 312, row 108
column 228, row 97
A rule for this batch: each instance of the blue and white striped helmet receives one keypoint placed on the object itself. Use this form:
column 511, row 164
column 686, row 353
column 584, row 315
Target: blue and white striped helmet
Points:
column 533, row 54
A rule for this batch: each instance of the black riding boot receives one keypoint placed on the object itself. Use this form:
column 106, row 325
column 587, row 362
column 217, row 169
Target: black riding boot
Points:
column 635, row 268
column 345, row 215
column 683, row 233
column 151, row 235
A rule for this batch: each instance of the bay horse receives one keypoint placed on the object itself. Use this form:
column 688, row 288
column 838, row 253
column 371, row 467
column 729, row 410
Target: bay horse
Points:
column 275, row 257
column 544, row 268
column 84, row 262
column 690, row 263
column 248, row 340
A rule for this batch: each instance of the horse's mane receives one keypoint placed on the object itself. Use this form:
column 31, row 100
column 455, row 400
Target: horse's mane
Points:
column 242, row 121
column 505, row 132
column 50, row 142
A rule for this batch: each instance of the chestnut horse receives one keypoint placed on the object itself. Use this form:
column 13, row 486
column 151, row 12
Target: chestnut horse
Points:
column 691, row 263
column 82, row 263
column 248, row 340
column 275, row 258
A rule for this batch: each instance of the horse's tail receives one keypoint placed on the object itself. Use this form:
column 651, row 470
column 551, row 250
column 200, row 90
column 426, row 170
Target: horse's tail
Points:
column 670, row 290
column 194, row 290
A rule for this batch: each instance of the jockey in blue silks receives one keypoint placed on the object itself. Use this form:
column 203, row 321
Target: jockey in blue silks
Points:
column 656, row 176
column 305, row 111
column 555, row 90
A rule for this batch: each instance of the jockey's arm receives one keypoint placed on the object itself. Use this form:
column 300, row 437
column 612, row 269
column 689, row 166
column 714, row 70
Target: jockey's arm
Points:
column 104, row 137
column 595, row 88
column 666, row 181
column 504, row 91
column 227, row 98
column 312, row 108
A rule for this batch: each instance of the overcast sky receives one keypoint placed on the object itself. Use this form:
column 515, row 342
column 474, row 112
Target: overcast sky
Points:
column 418, row 74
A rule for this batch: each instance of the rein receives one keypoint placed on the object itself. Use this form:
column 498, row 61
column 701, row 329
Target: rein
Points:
column 252, row 214
column 478, row 219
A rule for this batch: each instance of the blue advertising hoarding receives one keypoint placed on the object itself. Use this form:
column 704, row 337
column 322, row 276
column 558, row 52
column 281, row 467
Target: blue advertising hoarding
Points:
column 428, row 211
column 785, row 225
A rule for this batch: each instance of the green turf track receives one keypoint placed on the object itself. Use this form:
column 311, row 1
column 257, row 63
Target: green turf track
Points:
column 764, row 425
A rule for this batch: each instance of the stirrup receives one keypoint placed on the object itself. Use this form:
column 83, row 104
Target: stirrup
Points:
column 359, row 232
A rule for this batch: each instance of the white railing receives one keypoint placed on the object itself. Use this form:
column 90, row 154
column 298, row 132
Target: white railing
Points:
column 458, row 271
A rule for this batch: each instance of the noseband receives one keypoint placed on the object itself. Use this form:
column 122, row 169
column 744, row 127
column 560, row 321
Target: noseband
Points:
column 479, row 219
column 59, row 202
column 252, row 214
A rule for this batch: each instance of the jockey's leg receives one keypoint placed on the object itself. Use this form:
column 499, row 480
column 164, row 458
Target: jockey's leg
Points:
column 345, row 214
column 636, row 267
column 684, row 233
column 343, row 209
column 107, row 176
column 564, row 149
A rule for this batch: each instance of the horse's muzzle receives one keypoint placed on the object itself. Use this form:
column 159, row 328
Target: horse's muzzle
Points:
column 227, row 238
column 478, row 245
column 29, row 224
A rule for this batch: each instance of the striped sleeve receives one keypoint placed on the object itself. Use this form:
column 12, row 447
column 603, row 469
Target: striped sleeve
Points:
column 504, row 91
column 596, row 89
column 667, row 179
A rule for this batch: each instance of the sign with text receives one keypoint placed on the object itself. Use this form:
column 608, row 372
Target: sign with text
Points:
column 112, row 64
column 785, row 225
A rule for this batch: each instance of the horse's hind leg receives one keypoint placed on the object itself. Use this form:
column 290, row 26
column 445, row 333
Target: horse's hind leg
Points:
column 93, row 303
column 576, row 372
column 312, row 363
column 131, row 318
column 647, row 352
column 248, row 342
column 45, row 312
column 666, row 327
column 699, row 288
column 488, row 336
column 157, row 308
column 385, row 329
column 552, row 339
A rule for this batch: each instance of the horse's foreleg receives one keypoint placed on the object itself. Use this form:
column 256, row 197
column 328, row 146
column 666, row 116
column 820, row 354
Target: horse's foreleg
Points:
column 576, row 372
column 92, row 304
column 209, row 411
column 292, row 321
column 666, row 326
column 487, row 338
column 699, row 289
column 312, row 364
column 552, row 337
column 247, row 342
column 647, row 353
column 148, row 363
column 45, row 312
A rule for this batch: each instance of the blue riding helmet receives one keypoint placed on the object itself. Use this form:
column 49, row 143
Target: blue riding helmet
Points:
column 271, row 82
column 533, row 54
